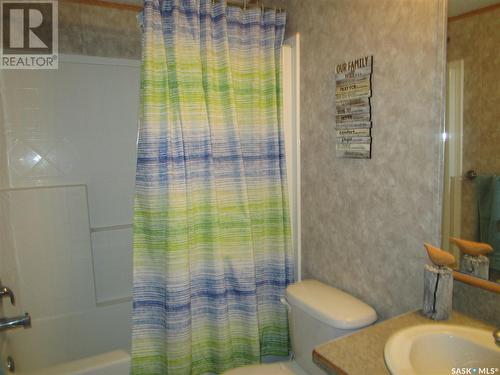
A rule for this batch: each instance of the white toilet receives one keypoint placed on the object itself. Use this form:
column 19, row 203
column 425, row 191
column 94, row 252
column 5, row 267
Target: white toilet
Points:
column 317, row 313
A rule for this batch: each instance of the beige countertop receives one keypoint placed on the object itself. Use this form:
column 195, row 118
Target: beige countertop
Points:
column 363, row 352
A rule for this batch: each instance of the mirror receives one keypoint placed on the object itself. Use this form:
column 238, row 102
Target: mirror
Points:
column 471, row 199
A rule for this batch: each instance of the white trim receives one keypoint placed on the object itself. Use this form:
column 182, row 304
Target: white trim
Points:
column 453, row 168
column 455, row 116
column 8, row 189
column 81, row 59
column 294, row 44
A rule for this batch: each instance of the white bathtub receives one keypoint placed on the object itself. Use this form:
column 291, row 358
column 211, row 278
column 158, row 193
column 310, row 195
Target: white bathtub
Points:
column 93, row 342
column 111, row 363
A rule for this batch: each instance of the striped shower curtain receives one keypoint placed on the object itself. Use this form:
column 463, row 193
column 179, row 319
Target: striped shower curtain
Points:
column 212, row 252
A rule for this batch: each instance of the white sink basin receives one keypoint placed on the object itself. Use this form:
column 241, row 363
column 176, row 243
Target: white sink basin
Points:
column 439, row 349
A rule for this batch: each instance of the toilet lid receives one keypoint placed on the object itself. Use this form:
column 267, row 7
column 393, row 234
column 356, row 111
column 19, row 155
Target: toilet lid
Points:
column 330, row 305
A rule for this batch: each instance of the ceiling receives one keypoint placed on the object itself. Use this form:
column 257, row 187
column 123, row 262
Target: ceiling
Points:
column 457, row 7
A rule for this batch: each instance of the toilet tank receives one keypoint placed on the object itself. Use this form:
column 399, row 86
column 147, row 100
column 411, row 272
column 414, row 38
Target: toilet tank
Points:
column 320, row 313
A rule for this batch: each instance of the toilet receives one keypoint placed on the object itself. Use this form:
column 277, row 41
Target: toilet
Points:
column 317, row 313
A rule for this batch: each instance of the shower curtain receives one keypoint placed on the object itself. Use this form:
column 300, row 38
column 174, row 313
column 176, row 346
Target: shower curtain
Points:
column 212, row 253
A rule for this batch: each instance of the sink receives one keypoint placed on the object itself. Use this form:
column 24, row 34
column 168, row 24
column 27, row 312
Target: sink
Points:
column 442, row 349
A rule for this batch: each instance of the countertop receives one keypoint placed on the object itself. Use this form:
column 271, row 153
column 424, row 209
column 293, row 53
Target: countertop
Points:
column 362, row 352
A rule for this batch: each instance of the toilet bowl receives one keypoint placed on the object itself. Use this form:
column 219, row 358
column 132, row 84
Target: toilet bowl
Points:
column 317, row 313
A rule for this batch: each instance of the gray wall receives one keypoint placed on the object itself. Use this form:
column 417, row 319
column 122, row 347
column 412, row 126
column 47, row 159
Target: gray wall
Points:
column 97, row 31
column 476, row 302
column 103, row 31
column 364, row 222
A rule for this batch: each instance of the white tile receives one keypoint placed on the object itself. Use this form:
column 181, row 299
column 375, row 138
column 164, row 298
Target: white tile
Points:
column 85, row 130
column 112, row 254
column 52, row 246
column 22, row 158
column 27, row 97
column 82, row 121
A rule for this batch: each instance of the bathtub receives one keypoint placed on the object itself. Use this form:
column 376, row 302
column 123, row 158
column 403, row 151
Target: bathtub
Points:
column 112, row 363
column 93, row 342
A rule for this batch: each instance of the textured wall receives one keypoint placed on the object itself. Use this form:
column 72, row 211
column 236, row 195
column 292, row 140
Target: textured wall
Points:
column 97, row 31
column 475, row 39
column 476, row 302
column 364, row 222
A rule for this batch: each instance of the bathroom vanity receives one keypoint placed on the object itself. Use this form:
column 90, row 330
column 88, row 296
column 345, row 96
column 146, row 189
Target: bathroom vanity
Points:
column 363, row 352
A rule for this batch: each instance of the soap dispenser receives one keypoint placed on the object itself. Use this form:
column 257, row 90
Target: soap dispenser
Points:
column 438, row 284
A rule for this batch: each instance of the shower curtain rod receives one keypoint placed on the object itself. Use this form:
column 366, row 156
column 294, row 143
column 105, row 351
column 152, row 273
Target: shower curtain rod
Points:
column 137, row 8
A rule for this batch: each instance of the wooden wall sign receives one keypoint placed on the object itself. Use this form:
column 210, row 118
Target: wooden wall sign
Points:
column 353, row 109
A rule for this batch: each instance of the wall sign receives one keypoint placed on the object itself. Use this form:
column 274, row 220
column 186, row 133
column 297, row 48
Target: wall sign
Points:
column 353, row 119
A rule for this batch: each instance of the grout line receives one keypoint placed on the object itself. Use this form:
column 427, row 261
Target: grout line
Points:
column 110, row 227
column 116, row 301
